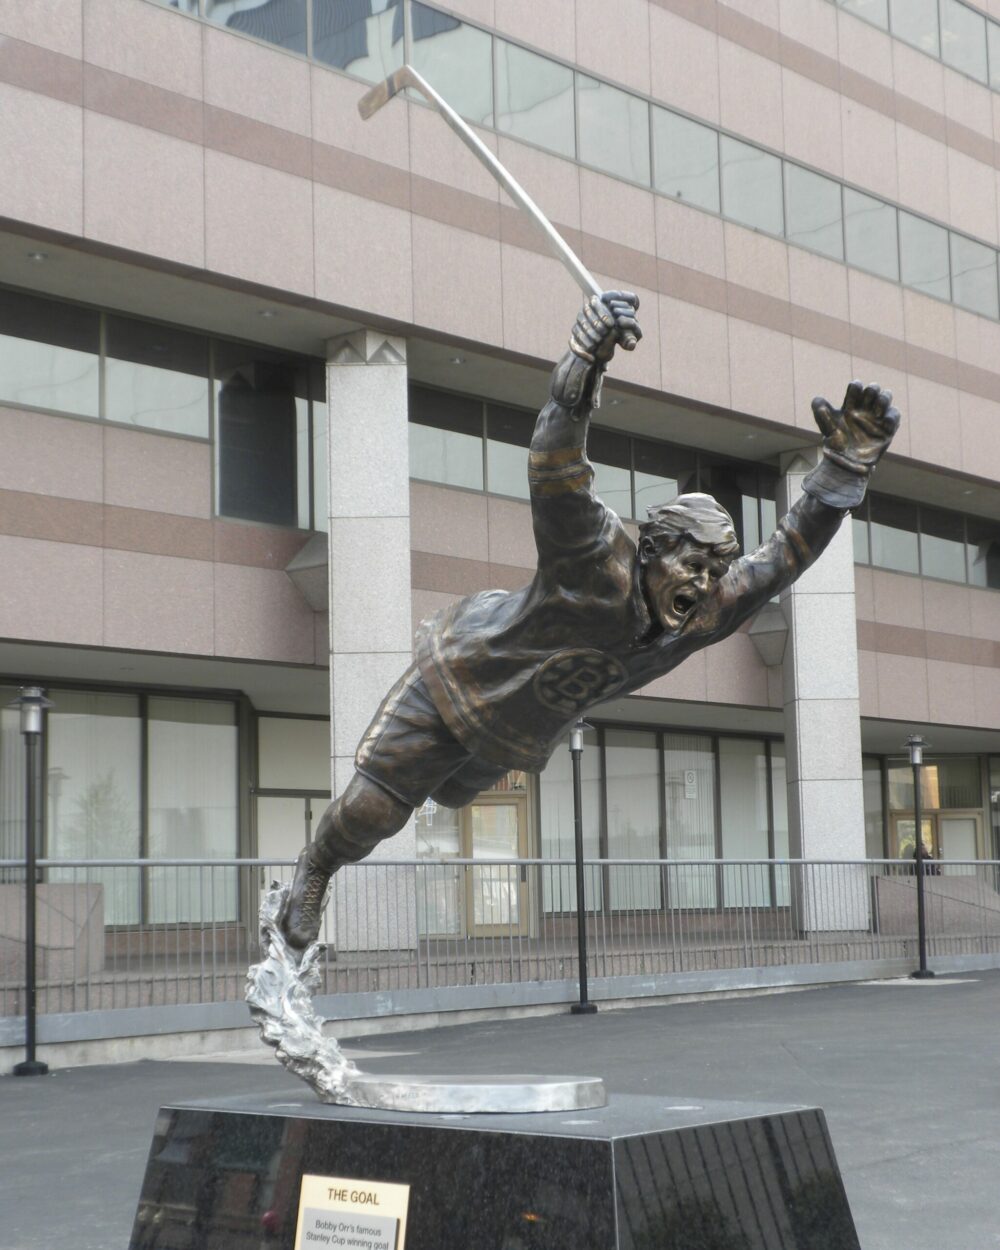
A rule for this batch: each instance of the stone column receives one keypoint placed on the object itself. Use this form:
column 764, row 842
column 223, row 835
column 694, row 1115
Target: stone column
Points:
column 370, row 626
column 822, row 726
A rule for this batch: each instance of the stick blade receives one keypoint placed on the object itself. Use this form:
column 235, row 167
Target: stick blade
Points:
column 382, row 93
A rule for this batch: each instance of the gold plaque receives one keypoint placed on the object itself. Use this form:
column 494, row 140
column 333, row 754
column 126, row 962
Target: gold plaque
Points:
column 335, row 1211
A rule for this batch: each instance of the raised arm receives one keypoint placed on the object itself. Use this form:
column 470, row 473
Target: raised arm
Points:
column 855, row 439
column 567, row 515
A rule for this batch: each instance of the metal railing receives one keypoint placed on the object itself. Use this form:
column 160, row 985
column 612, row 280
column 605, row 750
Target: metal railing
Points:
column 115, row 934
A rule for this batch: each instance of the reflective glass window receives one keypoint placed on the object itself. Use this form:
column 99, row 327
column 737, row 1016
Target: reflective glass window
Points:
column 813, row 216
column 974, row 276
column 859, row 531
column 555, row 807
column 183, row 6
column 894, row 534
column 993, row 47
column 662, row 473
column 963, row 39
column 94, row 791
column 156, row 377
column 535, row 99
column 277, row 21
column 12, row 766
column 871, row 780
column 874, row 11
column 456, row 59
column 685, row 160
column 916, row 22
column 320, row 464
column 923, row 252
column 942, row 545
column 446, row 438
column 870, row 234
column 609, row 453
column 193, row 813
column 632, row 765
column 995, row 804
column 49, row 354
column 689, row 784
column 983, row 538
column 743, row 790
column 364, row 37
column 751, row 186
column 613, row 128
column 508, row 436
column 261, row 409
column 779, row 817
column 734, row 486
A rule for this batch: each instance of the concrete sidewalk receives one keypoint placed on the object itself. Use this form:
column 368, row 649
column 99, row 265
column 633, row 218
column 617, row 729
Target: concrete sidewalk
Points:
column 907, row 1073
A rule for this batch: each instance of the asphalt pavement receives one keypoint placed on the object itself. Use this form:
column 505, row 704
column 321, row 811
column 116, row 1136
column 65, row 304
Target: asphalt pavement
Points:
column 907, row 1073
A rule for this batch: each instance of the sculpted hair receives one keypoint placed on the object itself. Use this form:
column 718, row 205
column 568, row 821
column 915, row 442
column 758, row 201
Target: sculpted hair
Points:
column 699, row 518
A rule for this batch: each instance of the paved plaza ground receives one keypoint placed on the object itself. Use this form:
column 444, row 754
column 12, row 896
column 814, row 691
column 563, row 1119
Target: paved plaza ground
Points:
column 907, row 1072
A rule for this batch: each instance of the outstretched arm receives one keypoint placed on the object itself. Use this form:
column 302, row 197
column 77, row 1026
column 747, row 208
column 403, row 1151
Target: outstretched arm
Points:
column 565, row 510
column 855, row 439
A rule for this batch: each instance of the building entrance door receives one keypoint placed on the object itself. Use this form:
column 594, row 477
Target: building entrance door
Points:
column 496, row 830
column 904, row 835
column 948, row 835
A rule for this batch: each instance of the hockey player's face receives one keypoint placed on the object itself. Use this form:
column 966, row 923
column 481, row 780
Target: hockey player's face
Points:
column 677, row 582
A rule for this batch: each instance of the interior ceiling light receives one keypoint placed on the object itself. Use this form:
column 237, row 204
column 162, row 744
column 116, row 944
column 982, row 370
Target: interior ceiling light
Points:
column 458, row 360
column 267, row 313
column 38, row 257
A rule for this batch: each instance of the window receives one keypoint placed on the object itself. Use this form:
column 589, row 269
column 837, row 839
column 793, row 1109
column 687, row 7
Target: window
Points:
column 261, row 412
column 446, row 438
column 535, row 98
column 613, row 129
column 751, row 186
column 870, row 234
column 734, row 486
column 610, row 455
column 293, row 753
column 12, row 765
column 689, row 781
column 633, row 786
column 49, row 354
column 859, row 530
column 974, row 276
column 363, row 38
column 508, row 436
column 916, row 22
column 923, row 251
column 963, row 39
column 812, row 212
column 993, row 47
column 277, row 21
column 871, row 780
column 894, row 534
column 456, row 59
column 556, row 825
column 320, row 464
column 685, row 160
column 185, row 6
column 983, row 538
column 156, row 377
column 942, row 545
column 743, row 782
column 661, row 474
column 874, row 11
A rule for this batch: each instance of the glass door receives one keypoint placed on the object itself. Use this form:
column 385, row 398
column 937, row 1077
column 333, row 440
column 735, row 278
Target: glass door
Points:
column 959, row 836
column 496, row 830
column 904, row 839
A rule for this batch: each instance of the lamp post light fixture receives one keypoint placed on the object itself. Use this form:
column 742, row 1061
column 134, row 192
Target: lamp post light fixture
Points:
column 31, row 702
column 916, row 746
column 584, row 1007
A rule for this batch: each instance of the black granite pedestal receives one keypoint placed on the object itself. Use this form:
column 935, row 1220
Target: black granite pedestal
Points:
column 643, row 1173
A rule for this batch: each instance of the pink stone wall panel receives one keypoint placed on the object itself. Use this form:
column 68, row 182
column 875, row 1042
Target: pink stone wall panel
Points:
column 258, row 223
column 898, row 599
column 922, row 166
column 511, row 538
column 41, row 155
column 864, row 593
column 951, row 692
column 972, row 196
column 933, row 408
column 902, row 687
column 977, row 340
column 868, row 682
column 918, row 76
column 157, row 603
column 641, row 366
column 929, row 323
column 52, row 592
column 554, row 183
column 143, row 470
column 613, row 40
column 143, row 190
column 424, row 603
column 56, row 24
column 524, row 275
column 448, row 522
column 437, row 153
column 869, row 148
column 984, row 610
column 863, row 48
column 689, row 681
column 363, row 254
column 684, row 60
column 689, row 237
column 254, row 80
column 812, row 23
column 695, row 352
column 980, row 435
column 549, row 27
column 875, row 304
column 756, row 261
column 50, row 455
column 736, row 673
column 761, row 371
column 987, row 697
column 259, row 615
column 817, row 371
column 947, row 608
column 336, row 121
column 456, row 282
column 820, row 284
column 750, row 95
column 146, row 42
column 807, row 109
column 895, row 381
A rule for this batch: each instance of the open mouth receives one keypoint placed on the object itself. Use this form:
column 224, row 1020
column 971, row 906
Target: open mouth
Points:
column 682, row 604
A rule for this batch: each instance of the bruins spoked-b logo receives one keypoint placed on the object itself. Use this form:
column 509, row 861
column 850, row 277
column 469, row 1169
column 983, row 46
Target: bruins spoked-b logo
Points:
column 570, row 681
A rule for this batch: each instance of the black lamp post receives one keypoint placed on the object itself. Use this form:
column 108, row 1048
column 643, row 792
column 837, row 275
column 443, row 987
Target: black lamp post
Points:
column 32, row 703
column 916, row 746
column 584, row 1007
